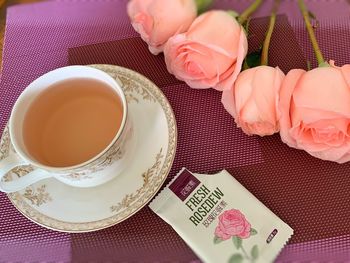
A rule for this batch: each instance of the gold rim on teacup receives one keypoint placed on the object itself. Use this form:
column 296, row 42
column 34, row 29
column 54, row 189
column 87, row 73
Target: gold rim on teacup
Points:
column 114, row 153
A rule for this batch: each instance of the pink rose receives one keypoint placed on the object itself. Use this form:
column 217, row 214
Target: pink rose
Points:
column 315, row 108
column 232, row 223
column 253, row 100
column 157, row 20
column 210, row 53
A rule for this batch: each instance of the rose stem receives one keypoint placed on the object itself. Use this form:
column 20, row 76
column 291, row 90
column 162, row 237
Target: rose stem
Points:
column 305, row 13
column 249, row 11
column 202, row 5
column 265, row 50
column 245, row 252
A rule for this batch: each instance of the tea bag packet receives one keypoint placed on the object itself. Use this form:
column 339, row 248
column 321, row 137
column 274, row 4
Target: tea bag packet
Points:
column 221, row 220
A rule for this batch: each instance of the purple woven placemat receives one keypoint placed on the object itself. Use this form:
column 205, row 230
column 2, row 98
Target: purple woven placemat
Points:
column 336, row 249
column 37, row 39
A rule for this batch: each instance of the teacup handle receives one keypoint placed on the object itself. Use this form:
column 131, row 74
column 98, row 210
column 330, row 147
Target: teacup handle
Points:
column 13, row 161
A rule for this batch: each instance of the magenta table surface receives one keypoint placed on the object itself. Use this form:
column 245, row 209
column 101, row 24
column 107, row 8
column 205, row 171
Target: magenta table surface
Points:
column 37, row 40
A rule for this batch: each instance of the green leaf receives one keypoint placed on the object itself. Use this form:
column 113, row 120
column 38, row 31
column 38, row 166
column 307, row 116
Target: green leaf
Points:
column 217, row 240
column 237, row 241
column 233, row 13
column 308, row 63
column 254, row 59
column 255, row 252
column 236, row 258
column 312, row 15
column 245, row 65
column 324, row 65
column 253, row 232
column 203, row 5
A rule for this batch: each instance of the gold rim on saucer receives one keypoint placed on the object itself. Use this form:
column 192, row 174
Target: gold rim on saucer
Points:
column 36, row 201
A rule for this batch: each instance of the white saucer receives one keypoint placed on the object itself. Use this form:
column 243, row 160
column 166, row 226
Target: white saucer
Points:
column 60, row 207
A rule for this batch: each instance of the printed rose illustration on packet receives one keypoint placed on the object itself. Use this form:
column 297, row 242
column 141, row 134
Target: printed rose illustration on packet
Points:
column 234, row 225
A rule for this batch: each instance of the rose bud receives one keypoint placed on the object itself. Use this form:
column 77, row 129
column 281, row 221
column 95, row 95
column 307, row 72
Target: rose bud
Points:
column 253, row 100
column 157, row 20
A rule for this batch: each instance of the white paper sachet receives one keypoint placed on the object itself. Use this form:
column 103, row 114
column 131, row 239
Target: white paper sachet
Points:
column 221, row 220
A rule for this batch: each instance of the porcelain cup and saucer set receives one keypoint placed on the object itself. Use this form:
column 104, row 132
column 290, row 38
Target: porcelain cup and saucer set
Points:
column 112, row 185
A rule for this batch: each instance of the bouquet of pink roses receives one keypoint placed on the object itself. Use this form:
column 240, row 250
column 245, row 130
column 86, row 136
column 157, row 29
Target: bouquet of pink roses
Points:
column 310, row 109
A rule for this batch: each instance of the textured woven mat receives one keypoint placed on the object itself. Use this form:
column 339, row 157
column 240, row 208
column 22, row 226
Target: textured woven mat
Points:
column 37, row 40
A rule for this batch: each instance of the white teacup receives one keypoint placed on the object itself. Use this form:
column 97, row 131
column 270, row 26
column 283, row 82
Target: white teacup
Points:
column 80, row 175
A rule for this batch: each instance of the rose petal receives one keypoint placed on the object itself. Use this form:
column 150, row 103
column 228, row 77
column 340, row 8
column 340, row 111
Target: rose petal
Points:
column 234, row 99
column 171, row 18
column 309, row 116
column 214, row 64
column 266, row 86
column 156, row 21
column 278, row 85
column 243, row 88
column 346, row 73
column 228, row 101
column 214, row 48
column 198, row 84
column 134, row 7
column 192, row 52
column 222, row 64
column 304, row 139
column 330, row 138
column 156, row 50
column 226, row 82
column 140, row 29
column 335, row 154
column 258, row 128
column 206, row 29
column 339, row 124
column 145, row 21
column 287, row 88
column 176, row 62
column 344, row 159
column 323, row 89
column 250, row 112
column 204, row 65
column 332, row 133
